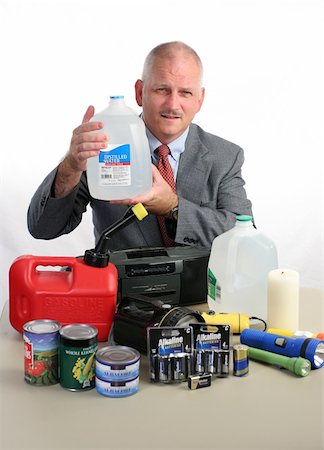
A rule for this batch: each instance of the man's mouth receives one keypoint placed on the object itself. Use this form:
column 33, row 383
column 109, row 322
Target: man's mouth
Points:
column 171, row 116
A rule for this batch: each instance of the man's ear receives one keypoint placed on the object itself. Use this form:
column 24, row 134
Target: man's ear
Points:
column 138, row 92
column 201, row 99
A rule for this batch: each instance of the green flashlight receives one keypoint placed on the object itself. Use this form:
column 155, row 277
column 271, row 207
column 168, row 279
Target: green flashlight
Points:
column 299, row 366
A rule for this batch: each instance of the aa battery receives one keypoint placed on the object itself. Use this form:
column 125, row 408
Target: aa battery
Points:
column 240, row 360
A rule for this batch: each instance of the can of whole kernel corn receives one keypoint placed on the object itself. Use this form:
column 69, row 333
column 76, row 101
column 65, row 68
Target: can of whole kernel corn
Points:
column 41, row 341
column 78, row 346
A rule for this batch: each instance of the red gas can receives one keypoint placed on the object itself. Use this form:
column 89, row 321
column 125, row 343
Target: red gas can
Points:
column 64, row 289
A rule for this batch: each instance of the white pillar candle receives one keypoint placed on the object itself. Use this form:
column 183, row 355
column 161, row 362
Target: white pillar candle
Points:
column 283, row 299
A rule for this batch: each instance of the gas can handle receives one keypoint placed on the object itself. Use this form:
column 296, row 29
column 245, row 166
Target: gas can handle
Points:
column 52, row 261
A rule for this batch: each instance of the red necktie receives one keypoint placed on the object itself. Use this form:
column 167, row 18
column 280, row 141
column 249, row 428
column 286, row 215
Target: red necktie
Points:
column 165, row 169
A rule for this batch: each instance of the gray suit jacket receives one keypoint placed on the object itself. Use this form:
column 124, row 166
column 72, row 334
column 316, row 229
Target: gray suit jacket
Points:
column 209, row 185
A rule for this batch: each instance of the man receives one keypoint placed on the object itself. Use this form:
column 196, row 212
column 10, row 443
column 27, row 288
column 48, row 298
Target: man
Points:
column 209, row 189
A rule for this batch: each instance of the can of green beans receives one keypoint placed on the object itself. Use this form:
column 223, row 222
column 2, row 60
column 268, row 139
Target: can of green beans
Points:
column 77, row 350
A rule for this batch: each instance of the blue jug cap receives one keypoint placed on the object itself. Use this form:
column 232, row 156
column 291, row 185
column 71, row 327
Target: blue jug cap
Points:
column 244, row 218
column 114, row 97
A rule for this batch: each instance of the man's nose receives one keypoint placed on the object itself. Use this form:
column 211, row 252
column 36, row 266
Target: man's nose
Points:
column 172, row 101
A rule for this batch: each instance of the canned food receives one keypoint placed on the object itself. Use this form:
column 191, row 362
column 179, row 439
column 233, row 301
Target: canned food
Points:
column 78, row 346
column 118, row 362
column 117, row 388
column 240, row 360
column 41, row 340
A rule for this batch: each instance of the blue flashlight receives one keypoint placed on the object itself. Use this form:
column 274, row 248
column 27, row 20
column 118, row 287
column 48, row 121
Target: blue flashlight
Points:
column 308, row 348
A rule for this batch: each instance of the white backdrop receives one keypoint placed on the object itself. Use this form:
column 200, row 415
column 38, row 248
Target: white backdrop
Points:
column 264, row 91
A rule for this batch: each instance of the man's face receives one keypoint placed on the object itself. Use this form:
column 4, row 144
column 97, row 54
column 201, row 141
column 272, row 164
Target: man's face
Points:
column 171, row 96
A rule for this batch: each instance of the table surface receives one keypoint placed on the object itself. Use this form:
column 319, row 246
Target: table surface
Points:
column 268, row 409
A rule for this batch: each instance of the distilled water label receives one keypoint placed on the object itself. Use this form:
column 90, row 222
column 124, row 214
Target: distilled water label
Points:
column 115, row 166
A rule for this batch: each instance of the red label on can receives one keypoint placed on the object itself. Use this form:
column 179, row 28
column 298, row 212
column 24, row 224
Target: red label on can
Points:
column 41, row 352
column 28, row 351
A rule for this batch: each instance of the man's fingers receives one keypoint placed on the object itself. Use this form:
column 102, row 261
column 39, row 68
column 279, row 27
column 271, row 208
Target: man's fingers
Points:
column 80, row 138
column 89, row 114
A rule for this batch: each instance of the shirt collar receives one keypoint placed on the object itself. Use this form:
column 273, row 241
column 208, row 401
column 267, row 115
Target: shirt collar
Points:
column 176, row 147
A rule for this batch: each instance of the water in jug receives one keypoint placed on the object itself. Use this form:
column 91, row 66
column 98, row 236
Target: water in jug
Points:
column 123, row 169
column 238, row 267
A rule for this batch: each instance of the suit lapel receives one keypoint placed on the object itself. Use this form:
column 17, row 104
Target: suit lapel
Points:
column 193, row 171
column 191, row 179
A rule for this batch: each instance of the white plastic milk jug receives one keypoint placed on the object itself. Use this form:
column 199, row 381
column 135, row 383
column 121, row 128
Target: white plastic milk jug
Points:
column 238, row 268
column 123, row 169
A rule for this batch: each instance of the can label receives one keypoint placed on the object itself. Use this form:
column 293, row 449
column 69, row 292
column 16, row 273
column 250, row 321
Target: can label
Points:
column 117, row 372
column 117, row 388
column 77, row 367
column 41, row 358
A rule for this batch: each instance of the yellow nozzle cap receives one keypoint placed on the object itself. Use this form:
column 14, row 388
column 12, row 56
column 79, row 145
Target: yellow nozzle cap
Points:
column 139, row 211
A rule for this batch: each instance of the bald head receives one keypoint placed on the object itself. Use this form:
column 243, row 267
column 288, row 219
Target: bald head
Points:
column 170, row 51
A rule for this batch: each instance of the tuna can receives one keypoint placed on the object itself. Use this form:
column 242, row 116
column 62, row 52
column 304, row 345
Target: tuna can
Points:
column 41, row 341
column 240, row 360
column 117, row 363
column 117, row 371
column 78, row 346
column 117, row 388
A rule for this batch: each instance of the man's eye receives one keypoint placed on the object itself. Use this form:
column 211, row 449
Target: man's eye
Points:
column 186, row 93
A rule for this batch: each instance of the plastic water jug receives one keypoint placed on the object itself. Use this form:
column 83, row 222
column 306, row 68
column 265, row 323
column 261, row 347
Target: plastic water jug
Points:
column 123, row 169
column 238, row 268
column 64, row 289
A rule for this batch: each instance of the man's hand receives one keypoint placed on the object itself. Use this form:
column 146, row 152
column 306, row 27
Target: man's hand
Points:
column 85, row 143
column 159, row 200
